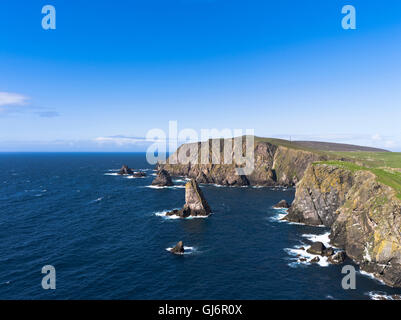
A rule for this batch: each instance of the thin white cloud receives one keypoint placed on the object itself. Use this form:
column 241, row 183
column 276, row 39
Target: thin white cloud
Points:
column 15, row 103
column 123, row 140
column 12, row 99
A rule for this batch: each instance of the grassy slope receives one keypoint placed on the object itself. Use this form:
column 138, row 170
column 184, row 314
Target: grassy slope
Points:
column 385, row 165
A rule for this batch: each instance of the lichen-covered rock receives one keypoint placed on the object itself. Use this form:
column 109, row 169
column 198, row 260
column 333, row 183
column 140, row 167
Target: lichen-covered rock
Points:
column 364, row 216
column 368, row 227
column 163, row 178
column 319, row 194
column 195, row 202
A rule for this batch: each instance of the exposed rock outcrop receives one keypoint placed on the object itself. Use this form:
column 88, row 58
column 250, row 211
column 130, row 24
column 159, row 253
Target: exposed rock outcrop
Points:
column 319, row 194
column 195, row 202
column 364, row 216
column 139, row 174
column 282, row 204
column 178, row 249
column 163, row 179
column 317, row 248
column 337, row 258
column 125, row 170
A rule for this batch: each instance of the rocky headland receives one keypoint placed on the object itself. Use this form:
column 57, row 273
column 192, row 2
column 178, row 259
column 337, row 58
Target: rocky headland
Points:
column 350, row 189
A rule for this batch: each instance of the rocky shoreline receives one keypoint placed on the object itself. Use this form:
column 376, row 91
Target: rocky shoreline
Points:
column 363, row 214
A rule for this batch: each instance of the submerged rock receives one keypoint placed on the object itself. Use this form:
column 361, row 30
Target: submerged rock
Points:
column 195, row 202
column 317, row 248
column 163, row 179
column 315, row 260
column 139, row 174
column 125, row 170
column 282, row 204
column 178, row 249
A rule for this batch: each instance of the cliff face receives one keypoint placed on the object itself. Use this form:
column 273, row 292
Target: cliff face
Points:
column 274, row 165
column 364, row 216
column 319, row 194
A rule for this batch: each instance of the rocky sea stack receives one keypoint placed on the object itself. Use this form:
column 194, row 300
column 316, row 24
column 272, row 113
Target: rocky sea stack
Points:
column 125, row 170
column 163, row 179
column 178, row 249
column 195, row 202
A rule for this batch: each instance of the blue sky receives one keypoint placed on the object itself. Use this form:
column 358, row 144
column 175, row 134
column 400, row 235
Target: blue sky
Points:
column 112, row 70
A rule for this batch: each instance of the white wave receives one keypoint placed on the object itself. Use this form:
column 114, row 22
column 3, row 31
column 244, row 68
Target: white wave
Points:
column 371, row 276
column 113, row 170
column 378, row 295
column 187, row 250
column 132, row 177
column 97, row 200
column 279, row 215
column 165, row 187
column 323, row 238
column 164, row 215
column 112, row 174
column 297, row 253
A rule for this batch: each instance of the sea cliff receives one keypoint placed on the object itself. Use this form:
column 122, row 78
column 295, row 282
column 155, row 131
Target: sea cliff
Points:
column 363, row 213
column 275, row 164
column 353, row 190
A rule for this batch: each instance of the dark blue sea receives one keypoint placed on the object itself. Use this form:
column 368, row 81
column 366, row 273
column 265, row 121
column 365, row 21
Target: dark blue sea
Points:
column 107, row 238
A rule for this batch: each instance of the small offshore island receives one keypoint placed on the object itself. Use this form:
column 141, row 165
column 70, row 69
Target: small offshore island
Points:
column 353, row 190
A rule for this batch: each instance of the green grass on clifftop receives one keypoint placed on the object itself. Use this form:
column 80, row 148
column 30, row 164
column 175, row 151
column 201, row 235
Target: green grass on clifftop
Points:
column 389, row 175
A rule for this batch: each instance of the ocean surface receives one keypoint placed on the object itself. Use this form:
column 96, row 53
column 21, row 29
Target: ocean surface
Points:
column 107, row 237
